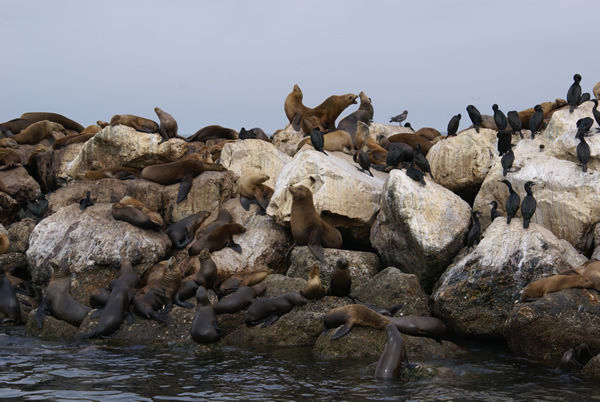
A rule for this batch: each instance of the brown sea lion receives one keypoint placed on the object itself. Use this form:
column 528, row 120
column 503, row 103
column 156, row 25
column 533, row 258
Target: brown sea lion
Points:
column 10, row 310
column 139, row 123
column 55, row 118
column 4, row 243
column 182, row 232
column 8, row 143
column 35, row 133
column 351, row 315
column 99, row 297
column 428, row 132
column 57, row 300
column 205, row 329
column 168, row 125
column 591, row 271
column 241, row 279
column 307, row 226
column 9, row 159
column 239, row 300
column 294, row 109
column 182, row 171
column 334, row 141
column 60, row 142
column 314, row 289
column 412, row 140
column 137, row 213
column 80, row 139
column 394, row 354
column 269, row 310
column 15, row 126
column 102, row 123
column 429, row 327
column 218, row 239
column 364, row 114
column 120, row 172
column 596, row 90
column 251, row 187
column 341, row 281
column 323, row 116
column 554, row 283
column 205, row 276
column 213, row 132
column 377, row 154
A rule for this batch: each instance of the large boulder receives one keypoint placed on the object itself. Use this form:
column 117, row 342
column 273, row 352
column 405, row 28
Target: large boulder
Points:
column 476, row 293
column 18, row 184
column 420, row 228
column 286, row 140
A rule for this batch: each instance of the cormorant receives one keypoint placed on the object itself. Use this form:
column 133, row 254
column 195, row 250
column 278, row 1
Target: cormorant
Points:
column 494, row 212
column 362, row 158
column 399, row 118
column 409, row 126
column 583, row 151
column 421, row 161
column 574, row 93
column 512, row 202
column 596, row 113
column 86, row 202
column 415, row 174
column 515, row 122
column 475, row 231
column 317, row 140
column 584, row 125
column 504, row 139
column 499, row 118
column 536, row 121
column 453, row 125
column 528, row 205
column 475, row 116
column 507, row 160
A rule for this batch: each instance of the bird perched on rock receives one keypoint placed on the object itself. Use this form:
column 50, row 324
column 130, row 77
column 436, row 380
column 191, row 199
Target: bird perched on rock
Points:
column 507, row 160
column 453, row 125
column 583, row 126
column 515, row 122
column 399, row 118
column 86, row 202
column 504, row 139
column 494, row 212
column 475, row 231
column 574, row 93
column 512, row 202
column 421, row 161
column 583, row 151
column 362, row 159
column 536, row 121
column 528, row 205
column 596, row 113
column 499, row 118
column 475, row 116
column 415, row 173
column 317, row 140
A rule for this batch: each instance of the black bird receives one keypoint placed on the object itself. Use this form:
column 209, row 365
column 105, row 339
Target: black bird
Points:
column 398, row 155
column 584, row 98
column 317, row 140
column 535, row 123
column 475, row 231
column 362, row 158
column 415, row 174
column 247, row 134
column 453, row 125
column 86, row 202
column 596, row 113
column 504, row 139
column 421, row 161
column 584, row 125
column 507, row 160
column 409, row 126
column 574, row 93
column 399, row 118
column 512, row 202
column 499, row 118
column 475, row 116
column 528, row 205
column 515, row 122
column 583, row 151
column 494, row 212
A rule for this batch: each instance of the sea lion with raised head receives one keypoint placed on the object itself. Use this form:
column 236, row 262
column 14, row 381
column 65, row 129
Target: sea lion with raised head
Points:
column 137, row 213
column 36, row 132
column 394, row 354
column 205, row 328
column 239, row 300
column 213, row 132
column 294, row 109
column 182, row 232
column 341, row 281
column 428, row 327
column 251, row 187
column 138, row 123
column 366, row 143
column 307, row 226
column 351, row 315
column 205, row 276
column 554, row 283
column 323, row 116
column 314, row 289
column 269, row 310
column 364, row 114
column 57, row 300
column 168, row 125
column 112, row 313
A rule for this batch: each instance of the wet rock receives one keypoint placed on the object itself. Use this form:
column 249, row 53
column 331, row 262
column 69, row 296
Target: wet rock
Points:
column 52, row 329
column 592, row 368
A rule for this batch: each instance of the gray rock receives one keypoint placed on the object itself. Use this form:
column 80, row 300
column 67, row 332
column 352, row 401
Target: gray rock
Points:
column 18, row 184
column 18, row 234
column 592, row 368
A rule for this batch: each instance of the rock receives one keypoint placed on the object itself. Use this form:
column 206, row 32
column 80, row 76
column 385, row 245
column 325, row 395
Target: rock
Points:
column 287, row 139
column 376, row 129
column 362, row 265
column 391, row 287
column 101, row 191
column 592, row 368
column 258, row 156
column 477, row 292
column 548, row 327
column 278, row 284
column 52, row 329
column 9, row 209
column 18, row 184
column 15, row 263
column 420, row 228
column 563, row 123
column 89, row 238
column 18, row 234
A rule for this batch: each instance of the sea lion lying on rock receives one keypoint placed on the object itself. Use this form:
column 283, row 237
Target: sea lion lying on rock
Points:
column 554, row 283
column 269, row 310
column 338, row 140
column 137, row 213
column 138, row 123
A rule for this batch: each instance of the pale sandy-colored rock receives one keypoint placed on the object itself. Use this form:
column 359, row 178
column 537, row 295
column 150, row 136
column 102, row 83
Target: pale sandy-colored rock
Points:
column 376, row 129
column 286, row 140
column 563, row 122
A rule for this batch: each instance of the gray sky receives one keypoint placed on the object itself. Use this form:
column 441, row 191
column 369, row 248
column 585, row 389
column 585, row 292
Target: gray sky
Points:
column 233, row 62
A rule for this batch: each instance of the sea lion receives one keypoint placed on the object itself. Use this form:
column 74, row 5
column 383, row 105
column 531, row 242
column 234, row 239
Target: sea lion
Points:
column 255, row 133
column 394, row 354
column 156, row 294
column 591, row 271
column 239, row 300
column 429, row 327
column 20, row 285
column 205, row 328
column 35, row 133
column 334, row 141
column 366, row 143
column 341, row 281
column 412, row 139
column 218, row 239
column 307, row 226
column 554, row 283
column 364, row 114
column 205, row 276
column 269, row 310
column 137, row 213
column 240, row 279
column 10, row 310
column 119, row 172
column 323, row 116
column 55, row 118
column 213, row 132
column 65, row 141
column 294, row 109
column 181, row 171
column 428, row 132
column 15, row 126
column 9, row 159
column 138, row 123
column 351, row 315
column 596, row 90
column 57, row 300
column 251, row 187
column 99, row 297
column 168, row 125
column 102, row 123
column 182, row 232
column 8, row 143
column 314, row 289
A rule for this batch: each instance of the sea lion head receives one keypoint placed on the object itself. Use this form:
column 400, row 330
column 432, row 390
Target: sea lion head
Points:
column 202, row 297
column 350, row 99
column 204, row 254
column 300, row 192
column 364, row 99
column 259, row 289
column 236, row 228
column 56, row 127
column 297, row 90
column 296, row 298
column 10, row 143
column 60, row 268
column 341, row 263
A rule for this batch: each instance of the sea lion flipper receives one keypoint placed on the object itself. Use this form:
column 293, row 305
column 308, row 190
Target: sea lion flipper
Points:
column 262, row 201
column 296, row 122
column 183, row 304
column 235, row 247
column 314, row 244
column 184, row 188
column 41, row 313
column 245, row 202
column 128, row 317
column 96, row 313
column 270, row 320
column 344, row 330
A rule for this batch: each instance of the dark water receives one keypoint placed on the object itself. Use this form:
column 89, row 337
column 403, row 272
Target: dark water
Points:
column 31, row 369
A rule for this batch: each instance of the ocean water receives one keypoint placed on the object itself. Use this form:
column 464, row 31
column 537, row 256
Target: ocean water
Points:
column 32, row 369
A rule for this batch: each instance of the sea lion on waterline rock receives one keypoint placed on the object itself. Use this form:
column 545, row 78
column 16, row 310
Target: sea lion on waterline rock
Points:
column 239, row 300
column 293, row 107
column 394, row 354
column 240, row 279
column 182, row 232
column 35, row 133
column 428, row 327
column 307, row 226
column 112, row 313
column 137, row 213
column 57, row 300
column 351, row 315
column 138, row 123
column 205, row 328
column 168, row 125
column 269, row 310
column 554, row 283
column 323, row 116
column 205, row 276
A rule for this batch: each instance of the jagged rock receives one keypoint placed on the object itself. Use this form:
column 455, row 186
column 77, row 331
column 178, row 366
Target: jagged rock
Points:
column 592, row 368
column 548, row 327
column 563, row 122
column 376, row 129
column 18, row 184
column 476, row 293
column 287, row 139
column 362, row 265
column 391, row 287
column 88, row 238
column 18, row 234
column 420, row 228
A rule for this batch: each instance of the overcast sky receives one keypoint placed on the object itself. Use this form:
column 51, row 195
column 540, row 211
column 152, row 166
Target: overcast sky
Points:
column 234, row 62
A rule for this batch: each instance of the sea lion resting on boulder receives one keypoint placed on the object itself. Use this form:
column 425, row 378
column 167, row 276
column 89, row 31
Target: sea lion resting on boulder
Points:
column 239, row 300
column 251, row 187
column 334, row 141
column 9, row 159
column 205, row 277
column 55, row 118
column 213, row 132
column 120, row 172
column 138, row 123
column 8, row 143
column 554, row 283
column 351, row 315
column 269, row 310
column 364, row 114
column 218, row 239
column 294, row 109
column 182, row 232
column 241, row 279
column 36, row 132
column 323, row 116
column 377, row 154
column 137, row 213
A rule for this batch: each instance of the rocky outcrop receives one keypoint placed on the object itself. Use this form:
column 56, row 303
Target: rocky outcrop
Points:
column 287, row 139
column 563, row 122
column 18, row 184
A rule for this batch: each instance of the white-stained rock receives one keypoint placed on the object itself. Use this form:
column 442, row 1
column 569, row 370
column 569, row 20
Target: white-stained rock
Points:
column 420, row 228
column 287, row 139
column 563, row 122
column 375, row 129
